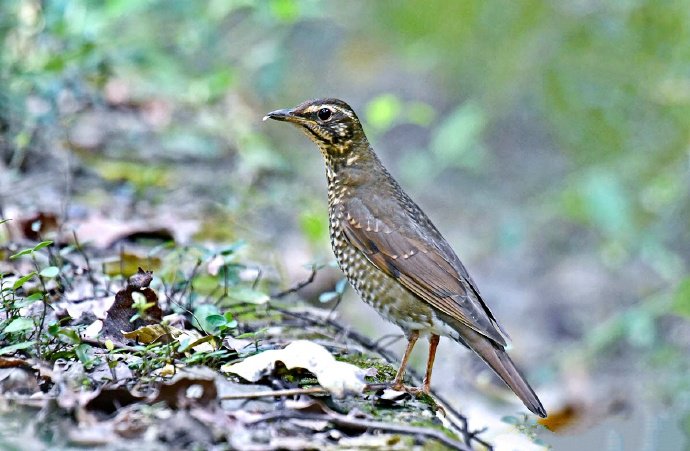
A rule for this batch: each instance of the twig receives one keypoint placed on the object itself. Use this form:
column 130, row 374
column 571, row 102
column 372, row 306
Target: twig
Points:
column 272, row 393
column 297, row 287
column 120, row 347
column 188, row 283
column 342, row 420
column 458, row 420
column 44, row 301
column 388, row 339
column 87, row 262
column 360, row 339
column 292, row 392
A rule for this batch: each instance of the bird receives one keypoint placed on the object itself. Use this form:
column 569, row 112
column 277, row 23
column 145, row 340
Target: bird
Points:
column 393, row 255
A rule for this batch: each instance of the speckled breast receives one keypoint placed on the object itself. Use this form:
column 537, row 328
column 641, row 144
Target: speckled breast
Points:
column 376, row 288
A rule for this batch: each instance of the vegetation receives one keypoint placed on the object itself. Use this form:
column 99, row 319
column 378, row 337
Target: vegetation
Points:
column 548, row 141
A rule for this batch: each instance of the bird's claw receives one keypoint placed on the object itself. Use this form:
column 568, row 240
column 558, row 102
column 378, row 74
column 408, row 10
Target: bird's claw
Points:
column 399, row 386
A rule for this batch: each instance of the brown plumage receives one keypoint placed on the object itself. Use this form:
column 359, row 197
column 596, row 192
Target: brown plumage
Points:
column 393, row 255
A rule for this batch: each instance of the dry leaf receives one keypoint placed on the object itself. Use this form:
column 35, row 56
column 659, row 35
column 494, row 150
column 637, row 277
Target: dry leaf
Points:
column 118, row 317
column 339, row 378
column 152, row 333
column 108, row 399
column 12, row 362
column 189, row 387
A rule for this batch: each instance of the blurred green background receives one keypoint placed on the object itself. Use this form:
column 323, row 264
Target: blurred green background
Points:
column 549, row 141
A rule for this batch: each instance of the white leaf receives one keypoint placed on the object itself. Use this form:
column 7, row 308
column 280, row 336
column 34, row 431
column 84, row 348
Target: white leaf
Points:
column 339, row 378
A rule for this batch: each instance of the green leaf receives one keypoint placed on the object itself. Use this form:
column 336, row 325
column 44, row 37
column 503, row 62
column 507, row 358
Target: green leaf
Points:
column 82, row 352
column 19, row 325
column 285, row 10
column 640, row 327
column 70, row 334
column 341, row 286
column 21, row 253
column 230, row 321
column 33, row 297
column 2, row 221
column 383, row 111
column 16, row 347
column 681, row 298
column 328, row 296
column 41, row 245
column 244, row 294
column 184, row 344
column 21, row 303
column 232, row 248
column 509, row 419
column 606, row 202
column 50, row 272
column 215, row 321
column 420, row 113
column 314, row 225
column 53, row 329
column 22, row 280
column 457, row 140
column 202, row 312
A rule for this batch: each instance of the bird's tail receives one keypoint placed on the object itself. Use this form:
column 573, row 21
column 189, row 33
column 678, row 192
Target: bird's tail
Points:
column 499, row 361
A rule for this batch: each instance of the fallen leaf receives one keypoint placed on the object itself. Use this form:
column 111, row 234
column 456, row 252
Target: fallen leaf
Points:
column 109, row 399
column 189, row 387
column 564, row 418
column 117, row 320
column 103, row 232
column 339, row 378
column 128, row 262
column 18, row 380
column 12, row 362
column 182, row 431
column 36, row 226
column 236, row 344
column 152, row 333
column 188, row 339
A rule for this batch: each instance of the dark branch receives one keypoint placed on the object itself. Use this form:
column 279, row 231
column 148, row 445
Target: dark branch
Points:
column 342, row 420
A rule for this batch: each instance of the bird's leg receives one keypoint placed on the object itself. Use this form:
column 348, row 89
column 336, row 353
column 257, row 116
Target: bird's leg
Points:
column 433, row 344
column 398, row 381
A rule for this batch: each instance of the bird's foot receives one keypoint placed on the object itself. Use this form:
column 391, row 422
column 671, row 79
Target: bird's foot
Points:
column 399, row 386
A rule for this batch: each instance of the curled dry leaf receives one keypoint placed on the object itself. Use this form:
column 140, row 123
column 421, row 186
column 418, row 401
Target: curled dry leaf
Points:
column 190, row 339
column 108, row 399
column 152, row 333
column 189, row 387
column 37, row 225
column 118, row 318
column 339, row 378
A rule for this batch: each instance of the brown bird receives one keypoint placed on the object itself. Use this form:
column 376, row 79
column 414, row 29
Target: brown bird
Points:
column 393, row 255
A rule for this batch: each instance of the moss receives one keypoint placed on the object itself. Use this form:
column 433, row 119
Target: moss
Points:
column 384, row 371
column 428, row 400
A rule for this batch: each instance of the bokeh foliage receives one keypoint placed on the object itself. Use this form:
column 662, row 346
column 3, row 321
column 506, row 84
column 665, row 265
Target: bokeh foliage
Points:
column 601, row 89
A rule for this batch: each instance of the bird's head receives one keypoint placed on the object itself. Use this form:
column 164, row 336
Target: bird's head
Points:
column 330, row 123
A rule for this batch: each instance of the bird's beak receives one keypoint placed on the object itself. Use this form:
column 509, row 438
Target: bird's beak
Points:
column 283, row 115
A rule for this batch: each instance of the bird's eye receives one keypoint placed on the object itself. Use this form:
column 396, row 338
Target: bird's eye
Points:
column 324, row 114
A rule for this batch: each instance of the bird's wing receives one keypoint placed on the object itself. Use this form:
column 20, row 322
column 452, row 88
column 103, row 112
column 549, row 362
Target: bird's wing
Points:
column 399, row 247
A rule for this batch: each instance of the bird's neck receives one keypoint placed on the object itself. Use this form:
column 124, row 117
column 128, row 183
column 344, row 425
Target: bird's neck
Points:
column 349, row 174
column 355, row 166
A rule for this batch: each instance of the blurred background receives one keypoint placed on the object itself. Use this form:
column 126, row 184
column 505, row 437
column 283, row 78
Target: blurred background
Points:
column 549, row 142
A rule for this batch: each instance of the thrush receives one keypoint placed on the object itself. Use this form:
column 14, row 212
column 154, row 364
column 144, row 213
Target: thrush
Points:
column 393, row 255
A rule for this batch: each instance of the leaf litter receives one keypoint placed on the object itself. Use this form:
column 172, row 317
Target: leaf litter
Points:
column 150, row 361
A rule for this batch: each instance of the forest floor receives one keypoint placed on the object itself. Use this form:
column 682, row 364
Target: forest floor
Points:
column 150, row 345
